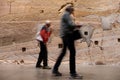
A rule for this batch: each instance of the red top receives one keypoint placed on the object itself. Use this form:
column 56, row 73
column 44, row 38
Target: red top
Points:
column 45, row 34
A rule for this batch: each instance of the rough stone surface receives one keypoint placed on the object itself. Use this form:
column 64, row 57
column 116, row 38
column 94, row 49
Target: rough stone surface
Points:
column 19, row 18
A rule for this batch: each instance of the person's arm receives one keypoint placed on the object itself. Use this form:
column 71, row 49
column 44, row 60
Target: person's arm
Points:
column 71, row 22
column 49, row 32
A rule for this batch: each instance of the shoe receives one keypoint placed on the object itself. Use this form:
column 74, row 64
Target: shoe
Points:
column 76, row 76
column 56, row 73
column 40, row 66
column 46, row 67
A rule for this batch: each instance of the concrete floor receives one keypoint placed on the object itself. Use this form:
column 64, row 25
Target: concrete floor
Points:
column 29, row 72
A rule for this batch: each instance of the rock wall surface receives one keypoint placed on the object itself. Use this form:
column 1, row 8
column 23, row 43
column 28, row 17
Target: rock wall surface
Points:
column 19, row 18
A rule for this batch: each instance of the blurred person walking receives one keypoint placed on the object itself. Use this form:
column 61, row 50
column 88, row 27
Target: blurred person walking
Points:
column 66, row 33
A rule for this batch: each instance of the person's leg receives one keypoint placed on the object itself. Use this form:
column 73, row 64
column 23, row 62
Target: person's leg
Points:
column 40, row 58
column 71, row 47
column 73, row 73
column 45, row 58
column 59, row 59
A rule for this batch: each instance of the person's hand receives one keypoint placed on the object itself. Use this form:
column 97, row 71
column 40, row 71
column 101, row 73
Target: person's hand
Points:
column 51, row 30
column 45, row 43
column 79, row 26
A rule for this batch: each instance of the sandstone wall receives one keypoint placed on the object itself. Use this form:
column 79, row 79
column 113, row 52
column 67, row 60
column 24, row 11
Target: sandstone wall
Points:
column 18, row 20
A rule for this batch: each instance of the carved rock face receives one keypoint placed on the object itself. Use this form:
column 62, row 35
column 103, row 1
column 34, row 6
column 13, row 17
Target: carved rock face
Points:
column 87, row 32
column 82, row 8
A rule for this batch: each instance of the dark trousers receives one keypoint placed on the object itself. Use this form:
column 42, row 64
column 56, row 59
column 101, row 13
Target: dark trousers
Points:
column 68, row 42
column 43, row 55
